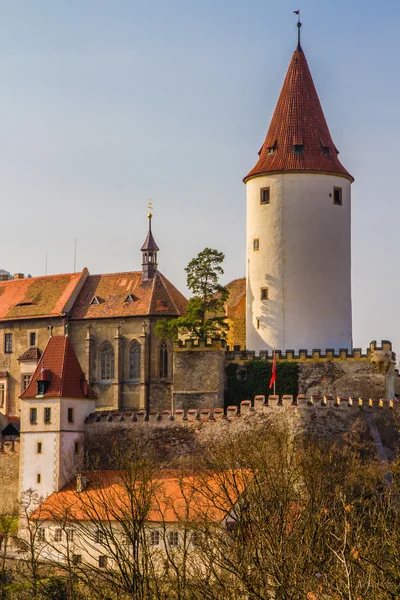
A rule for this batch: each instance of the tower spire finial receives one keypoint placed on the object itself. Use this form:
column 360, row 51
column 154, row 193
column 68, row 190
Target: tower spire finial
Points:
column 297, row 12
column 150, row 213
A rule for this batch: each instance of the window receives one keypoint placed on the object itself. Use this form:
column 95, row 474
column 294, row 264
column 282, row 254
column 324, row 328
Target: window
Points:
column 70, row 535
column 76, row 559
column 264, row 293
column 33, row 416
column 26, row 379
column 42, row 386
column 173, row 538
column 264, row 196
column 256, row 244
column 39, row 447
column 58, row 535
column 154, row 538
column 163, row 360
column 41, row 534
column 258, row 323
column 39, row 478
column 2, row 394
column 196, row 538
column 8, row 343
column 47, row 415
column 298, row 148
column 337, row 196
column 32, row 338
column 76, row 447
column 134, row 360
column 325, row 149
column 107, row 362
column 103, row 562
column 241, row 374
column 70, row 415
column 99, row 537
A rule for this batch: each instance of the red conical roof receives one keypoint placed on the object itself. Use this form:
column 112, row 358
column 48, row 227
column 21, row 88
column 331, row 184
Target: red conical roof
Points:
column 298, row 121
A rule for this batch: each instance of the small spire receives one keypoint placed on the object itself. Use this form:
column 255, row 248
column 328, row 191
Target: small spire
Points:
column 150, row 213
column 297, row 12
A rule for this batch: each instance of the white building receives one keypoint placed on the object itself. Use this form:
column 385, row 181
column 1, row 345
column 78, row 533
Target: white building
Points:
column 298, row 228
column 53, row 411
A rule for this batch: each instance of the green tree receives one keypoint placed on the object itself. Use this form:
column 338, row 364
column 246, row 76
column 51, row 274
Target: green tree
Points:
column 204, row 318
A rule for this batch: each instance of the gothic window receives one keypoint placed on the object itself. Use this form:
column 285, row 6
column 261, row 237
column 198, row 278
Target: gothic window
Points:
column 163, row 360
column 134, row 360
column 107, row 362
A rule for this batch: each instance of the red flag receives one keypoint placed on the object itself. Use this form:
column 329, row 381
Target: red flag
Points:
column 296, row 12
column 273, row 376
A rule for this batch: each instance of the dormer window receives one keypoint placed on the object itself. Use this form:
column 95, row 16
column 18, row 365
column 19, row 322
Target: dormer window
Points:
column 95, row 300
column 43, row 386
column 271, row 149
column 298, row 148
column 130, row 298
column 324, row 148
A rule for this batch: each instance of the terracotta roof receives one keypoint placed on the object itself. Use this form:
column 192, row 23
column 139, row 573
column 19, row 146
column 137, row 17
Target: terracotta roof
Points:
column 175, row 498
column 298, row 120
column 35, row 297
column 31, row 354
column 156, row 296
column 59, row 365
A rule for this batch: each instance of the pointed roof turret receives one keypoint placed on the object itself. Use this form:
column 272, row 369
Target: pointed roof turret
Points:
column 149, row 251
column 298, row 137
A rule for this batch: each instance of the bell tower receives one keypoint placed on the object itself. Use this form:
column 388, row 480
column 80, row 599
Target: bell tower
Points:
column 149, row 251
column 298, row 271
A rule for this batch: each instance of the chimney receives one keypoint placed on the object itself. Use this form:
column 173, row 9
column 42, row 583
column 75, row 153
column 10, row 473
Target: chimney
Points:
column 19, row 276
column 81, row 482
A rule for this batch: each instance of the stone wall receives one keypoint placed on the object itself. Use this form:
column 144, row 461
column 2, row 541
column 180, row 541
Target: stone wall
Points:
column 9, row 476
column 199, row 374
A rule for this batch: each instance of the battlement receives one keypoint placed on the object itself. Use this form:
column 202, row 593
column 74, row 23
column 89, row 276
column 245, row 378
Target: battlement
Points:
column 374, row 353
column 260, row 404
column 195, row 344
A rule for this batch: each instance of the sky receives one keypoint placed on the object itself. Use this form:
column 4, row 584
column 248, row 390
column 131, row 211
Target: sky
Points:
column 107, row 103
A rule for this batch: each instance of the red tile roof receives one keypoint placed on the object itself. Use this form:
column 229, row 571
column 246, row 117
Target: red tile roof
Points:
column 156, row 296
column 298, row 120
column 31, row 354
column 175, row 497
column 38, row 297
column 59, row 364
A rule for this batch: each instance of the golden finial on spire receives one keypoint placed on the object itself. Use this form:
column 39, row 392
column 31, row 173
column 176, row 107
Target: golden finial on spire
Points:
column 150, row 207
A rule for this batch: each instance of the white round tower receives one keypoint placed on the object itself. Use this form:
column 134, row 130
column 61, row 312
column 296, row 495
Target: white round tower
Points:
column 298, row 228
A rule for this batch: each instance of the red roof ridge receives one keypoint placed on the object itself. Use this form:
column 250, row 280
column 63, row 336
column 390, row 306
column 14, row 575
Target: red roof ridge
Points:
column 167, row 291
column 298, row 120
column 43, row 277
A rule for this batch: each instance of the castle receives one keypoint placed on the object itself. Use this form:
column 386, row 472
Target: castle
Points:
column 73, row 346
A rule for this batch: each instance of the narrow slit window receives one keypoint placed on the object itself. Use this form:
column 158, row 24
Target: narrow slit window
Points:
column 39, row 448
column 265, row 196
column 38, row 478
column 256, row 244
column 337, row 196
column 264, row 293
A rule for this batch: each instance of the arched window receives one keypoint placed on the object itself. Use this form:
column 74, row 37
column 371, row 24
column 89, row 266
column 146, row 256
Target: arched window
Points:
column 163, row 360
column 107, row 361
column 134, row 360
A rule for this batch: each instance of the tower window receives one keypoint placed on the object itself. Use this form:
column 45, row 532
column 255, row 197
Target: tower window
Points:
column 258, row 323
column 38, row 478
column 76, row 447
column 256, row 244
column 337, row 196
column 32, row 338
column 264, row 196
column 47, row 415
column 39, row 448
column 33, row 416
column 8, row 343
column 264, row 293
column 70, row 415
column 298, row 148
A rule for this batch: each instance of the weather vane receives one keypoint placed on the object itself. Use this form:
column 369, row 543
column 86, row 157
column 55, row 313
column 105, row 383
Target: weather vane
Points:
column 150, row 207
column 297, row 12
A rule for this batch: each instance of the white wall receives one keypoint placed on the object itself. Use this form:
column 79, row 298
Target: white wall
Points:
column 304, row 260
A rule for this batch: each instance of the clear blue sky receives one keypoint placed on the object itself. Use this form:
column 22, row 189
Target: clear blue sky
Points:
column 106, row 103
